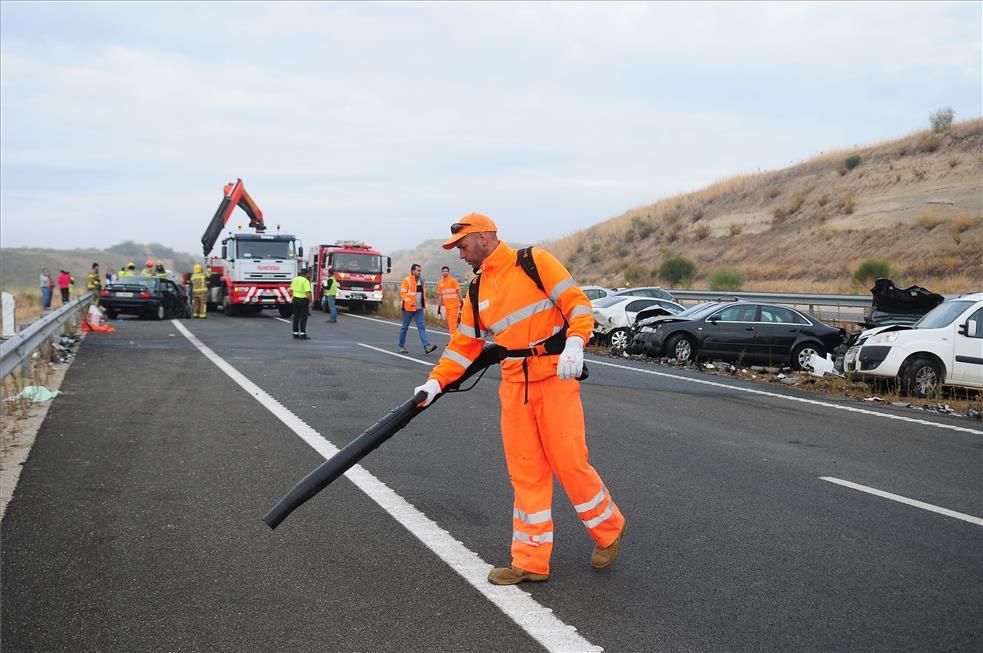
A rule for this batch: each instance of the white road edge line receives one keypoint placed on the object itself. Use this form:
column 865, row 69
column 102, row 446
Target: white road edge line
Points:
column 900, row 499
column 391, row 353
column 535, row 619
column 396, row 324
column 864, row 411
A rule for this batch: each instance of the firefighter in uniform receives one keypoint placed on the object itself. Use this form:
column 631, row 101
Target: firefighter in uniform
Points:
column 93, row 282
column 542, row 417
column 130, row 271
column 300, row 290
column 449, row 292
column 148, row 270
column 199, row 290
column 160, row 270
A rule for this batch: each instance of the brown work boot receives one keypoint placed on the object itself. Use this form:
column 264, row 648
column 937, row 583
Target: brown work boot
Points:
column 513, row 575
column 603, row 558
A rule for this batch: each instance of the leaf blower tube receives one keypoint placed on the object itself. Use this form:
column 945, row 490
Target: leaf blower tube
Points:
column 368, row 441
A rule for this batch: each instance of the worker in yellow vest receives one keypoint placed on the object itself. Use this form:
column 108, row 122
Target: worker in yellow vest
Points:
column 300, row 290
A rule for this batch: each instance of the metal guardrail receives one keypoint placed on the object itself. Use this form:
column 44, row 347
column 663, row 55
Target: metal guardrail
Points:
column 15, row 350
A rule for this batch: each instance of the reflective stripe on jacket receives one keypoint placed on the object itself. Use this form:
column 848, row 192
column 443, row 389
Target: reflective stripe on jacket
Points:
column 407, row 292
column 300, row 287
column 449, row 291
column 199, row 282
column 518, row 314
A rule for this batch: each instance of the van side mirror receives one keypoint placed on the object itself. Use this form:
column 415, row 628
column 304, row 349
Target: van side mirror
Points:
column 300, row 252
column 964, row 329
column 389, row 264
column 225, row 251
column 714, row 319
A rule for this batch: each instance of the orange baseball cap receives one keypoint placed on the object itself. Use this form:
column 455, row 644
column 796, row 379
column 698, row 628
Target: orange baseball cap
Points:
column 472, row 223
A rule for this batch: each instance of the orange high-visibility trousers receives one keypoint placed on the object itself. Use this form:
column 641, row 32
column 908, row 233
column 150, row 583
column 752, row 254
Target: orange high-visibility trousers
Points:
column 544, row 437
column 452, row 311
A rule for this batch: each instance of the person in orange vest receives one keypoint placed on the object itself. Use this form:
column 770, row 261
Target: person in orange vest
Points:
column 449, row 292
column 413, row 298
column 541, row 335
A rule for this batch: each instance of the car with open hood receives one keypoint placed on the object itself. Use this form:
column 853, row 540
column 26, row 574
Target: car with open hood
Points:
column 765, row 333
column 943, row 348
column 615, row 314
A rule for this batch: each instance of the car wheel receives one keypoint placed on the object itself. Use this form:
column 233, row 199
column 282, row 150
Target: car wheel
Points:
column 110, row 315
column 802, row 354
column 680, row 347
column 618, row 339
column 160, row 313
column 921, row 378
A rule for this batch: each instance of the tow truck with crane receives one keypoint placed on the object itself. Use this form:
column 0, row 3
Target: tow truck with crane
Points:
column 254, row 270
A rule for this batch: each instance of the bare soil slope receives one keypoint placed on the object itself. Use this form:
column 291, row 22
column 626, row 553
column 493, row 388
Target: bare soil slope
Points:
column 916, row 202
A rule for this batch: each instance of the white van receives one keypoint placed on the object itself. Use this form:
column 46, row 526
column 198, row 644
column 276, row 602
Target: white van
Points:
column 944, row 347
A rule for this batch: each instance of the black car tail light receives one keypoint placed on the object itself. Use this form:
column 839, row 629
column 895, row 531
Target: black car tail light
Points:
column 104, row 293
column 145, row 295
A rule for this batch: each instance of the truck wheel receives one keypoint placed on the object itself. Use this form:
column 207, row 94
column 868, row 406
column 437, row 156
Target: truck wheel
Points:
column 228, row 307
column 286, row 310
column 372, row 307
column 921, row 378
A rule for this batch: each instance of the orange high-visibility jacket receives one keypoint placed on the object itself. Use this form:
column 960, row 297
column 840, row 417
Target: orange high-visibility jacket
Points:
column 408, row 294
column 449, row 291
column 518, row 314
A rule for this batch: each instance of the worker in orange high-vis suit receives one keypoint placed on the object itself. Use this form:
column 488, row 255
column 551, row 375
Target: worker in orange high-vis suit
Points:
column 542, row 416
column 449, row 292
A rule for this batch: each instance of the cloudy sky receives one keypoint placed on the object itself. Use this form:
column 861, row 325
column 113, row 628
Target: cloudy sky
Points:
column 385, row 121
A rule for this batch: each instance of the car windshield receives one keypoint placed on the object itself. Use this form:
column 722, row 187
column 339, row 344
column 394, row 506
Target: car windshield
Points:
column 611, row 300
column 361, row 263
column 149, row 282
column 942, row 315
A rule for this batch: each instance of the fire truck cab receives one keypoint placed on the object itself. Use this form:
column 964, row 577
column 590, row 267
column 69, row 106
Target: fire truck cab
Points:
column 357, row 267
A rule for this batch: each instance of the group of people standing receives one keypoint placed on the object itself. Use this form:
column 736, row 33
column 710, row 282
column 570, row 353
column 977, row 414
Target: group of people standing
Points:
column 301, row 292
column 413, row 299
column 65, row 283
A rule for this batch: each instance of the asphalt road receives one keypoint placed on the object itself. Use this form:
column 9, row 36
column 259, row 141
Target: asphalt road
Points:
column 137, row 525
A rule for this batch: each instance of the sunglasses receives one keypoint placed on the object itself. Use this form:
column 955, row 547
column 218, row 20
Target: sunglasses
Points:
column 457, row 226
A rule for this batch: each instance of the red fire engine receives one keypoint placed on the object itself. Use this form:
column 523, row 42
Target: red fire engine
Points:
column 357, row 267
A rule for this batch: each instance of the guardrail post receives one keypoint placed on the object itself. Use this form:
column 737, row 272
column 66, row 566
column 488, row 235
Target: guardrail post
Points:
column 8, row 321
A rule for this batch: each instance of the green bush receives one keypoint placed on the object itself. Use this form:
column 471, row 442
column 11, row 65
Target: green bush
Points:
column 726, row 279
column 636, row 275
column 676, row 269
column 852, row 161
column 941, row 119
column 871, row 270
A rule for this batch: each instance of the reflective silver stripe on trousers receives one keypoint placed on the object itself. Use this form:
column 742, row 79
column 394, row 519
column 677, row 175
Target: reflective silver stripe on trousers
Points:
column 593, row 503
column 521, row 314
column 534, row 518
column 591, row 523
column 457, row 358
column 560, row 287
column 581, row 310
column 534, row 540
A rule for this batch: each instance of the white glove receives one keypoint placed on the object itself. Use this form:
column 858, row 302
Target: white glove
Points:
column 571, row 362
column 431, row 387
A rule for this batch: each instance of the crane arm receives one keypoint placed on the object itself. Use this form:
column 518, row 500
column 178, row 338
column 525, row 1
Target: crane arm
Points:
column 234, row 195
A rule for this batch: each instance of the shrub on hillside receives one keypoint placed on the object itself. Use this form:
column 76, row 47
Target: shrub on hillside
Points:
column 871, row 270
column 735, row 228
column 636, row 275
column 676, row 269
column 930, row 143
column 941, row 119
column 852, row 161
column 726, row 279
column 701, row 231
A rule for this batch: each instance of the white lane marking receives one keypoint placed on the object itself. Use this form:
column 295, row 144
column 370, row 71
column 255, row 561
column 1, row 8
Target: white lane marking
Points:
column 538, row 621
column 864, row 411
column 900, row 499
column 282, row 319
column 391, row 353
column 396, row 324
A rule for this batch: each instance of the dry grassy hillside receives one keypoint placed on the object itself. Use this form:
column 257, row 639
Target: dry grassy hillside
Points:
column 916, row 202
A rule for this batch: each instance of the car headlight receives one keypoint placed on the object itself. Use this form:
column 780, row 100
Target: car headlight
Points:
column 880, row 338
